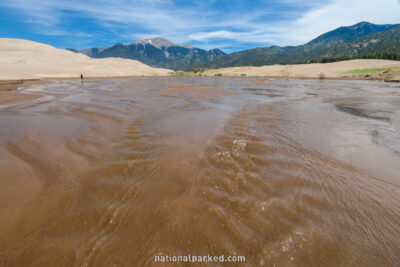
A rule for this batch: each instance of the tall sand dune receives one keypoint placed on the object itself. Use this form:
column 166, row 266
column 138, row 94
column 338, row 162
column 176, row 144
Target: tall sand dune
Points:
column 22, row 59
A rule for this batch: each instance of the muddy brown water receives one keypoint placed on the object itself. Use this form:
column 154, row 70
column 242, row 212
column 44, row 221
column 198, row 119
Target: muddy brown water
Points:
column 284, row 172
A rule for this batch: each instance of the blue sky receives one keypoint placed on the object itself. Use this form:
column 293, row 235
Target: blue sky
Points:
column 229, row 25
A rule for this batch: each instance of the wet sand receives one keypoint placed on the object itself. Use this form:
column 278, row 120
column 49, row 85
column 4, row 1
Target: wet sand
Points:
column 113, row 172
column 9, row 95
column 10, row 98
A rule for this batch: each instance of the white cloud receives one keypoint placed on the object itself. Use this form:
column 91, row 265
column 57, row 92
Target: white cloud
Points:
column 340, row 13
column 202, row 36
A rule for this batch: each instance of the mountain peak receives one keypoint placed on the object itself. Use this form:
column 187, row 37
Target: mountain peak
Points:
column 160, row 43
column 350, row 33
column 361, row 23
column 158, row 52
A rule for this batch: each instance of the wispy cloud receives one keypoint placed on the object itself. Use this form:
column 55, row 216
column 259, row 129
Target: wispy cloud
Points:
column 341, row 13
column 207, row 23
column 201, row 36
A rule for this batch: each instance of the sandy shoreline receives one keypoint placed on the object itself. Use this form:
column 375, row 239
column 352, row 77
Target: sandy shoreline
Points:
column 11, row 98
column 9, row 94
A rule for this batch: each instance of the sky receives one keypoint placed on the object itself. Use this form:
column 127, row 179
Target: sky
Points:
column 229, row 25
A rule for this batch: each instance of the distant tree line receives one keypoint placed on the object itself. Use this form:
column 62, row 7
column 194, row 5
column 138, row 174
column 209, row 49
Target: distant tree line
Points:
column 199, row 70
column 387, row 55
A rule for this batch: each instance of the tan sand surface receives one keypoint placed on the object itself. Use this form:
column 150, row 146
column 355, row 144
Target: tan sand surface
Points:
column 22, row 59
column 329, row 70
column 197, row 92
column 9, row 98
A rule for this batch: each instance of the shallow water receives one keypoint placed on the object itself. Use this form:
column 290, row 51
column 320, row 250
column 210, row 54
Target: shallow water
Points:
column 284, row 172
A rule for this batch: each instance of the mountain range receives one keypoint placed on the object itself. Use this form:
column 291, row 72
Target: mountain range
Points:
column 363, row 38
column 156, row 52
column 315, row 49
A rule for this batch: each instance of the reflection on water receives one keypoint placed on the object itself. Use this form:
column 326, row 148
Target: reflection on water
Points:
column 285, row 172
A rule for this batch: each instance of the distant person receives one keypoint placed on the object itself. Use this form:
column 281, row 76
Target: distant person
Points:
column 81, row 76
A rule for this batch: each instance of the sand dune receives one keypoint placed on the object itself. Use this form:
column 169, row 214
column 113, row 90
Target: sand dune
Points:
column 22, row 59
column 330, row 70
